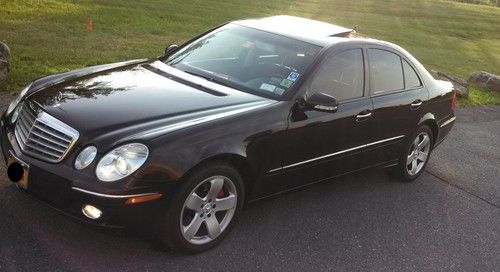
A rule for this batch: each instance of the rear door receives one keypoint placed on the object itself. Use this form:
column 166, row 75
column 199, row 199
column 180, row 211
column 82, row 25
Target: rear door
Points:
column 399, row 99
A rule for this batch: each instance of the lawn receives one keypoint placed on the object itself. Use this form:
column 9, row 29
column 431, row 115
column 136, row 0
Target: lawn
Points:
column 51, row 36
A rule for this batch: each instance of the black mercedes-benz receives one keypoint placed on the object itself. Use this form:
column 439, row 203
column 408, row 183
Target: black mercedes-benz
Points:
column 247, row 110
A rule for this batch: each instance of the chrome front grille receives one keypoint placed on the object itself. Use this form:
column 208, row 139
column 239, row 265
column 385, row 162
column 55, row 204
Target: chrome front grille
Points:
column 43, row 136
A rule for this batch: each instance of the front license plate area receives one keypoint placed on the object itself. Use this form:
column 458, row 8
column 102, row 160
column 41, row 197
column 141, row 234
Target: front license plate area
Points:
column 23, row 182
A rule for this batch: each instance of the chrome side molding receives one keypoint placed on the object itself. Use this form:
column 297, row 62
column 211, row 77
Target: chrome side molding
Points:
column 336, row 153
column 109, row 196
column 448, row 121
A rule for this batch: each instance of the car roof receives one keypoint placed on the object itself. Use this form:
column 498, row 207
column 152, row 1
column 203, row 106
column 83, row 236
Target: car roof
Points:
column 311, row 31
column 323, row 34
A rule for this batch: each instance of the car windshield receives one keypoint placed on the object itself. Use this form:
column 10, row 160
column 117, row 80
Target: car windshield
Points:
column 247, row 59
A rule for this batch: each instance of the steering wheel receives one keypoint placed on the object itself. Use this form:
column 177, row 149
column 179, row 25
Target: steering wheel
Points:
column 276, row 75
column 276, row 71
column 282, row 70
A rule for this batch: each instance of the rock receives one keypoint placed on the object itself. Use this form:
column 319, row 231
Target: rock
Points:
column 434, row 74
column 461, row 86
column 485, row 80
column 4, row 60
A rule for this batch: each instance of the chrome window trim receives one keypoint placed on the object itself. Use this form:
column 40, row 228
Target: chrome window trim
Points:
column 109, row 196
column 336, row 153
column 448, row 121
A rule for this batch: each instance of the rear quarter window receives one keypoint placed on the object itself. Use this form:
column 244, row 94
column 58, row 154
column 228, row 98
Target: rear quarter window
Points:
column 411, row 78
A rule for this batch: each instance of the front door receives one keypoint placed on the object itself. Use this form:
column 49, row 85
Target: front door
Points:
column 324, row 144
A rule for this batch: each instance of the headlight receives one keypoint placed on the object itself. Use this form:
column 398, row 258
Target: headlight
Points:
column 16, row 101
column 121, row 162
column 15, row 114
column 86, row 157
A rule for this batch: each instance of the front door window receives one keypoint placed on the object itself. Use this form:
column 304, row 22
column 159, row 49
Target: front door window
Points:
column 341, row 75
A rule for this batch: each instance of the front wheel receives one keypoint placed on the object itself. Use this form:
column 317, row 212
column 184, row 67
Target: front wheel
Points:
column 415, row 154
column 204, row 209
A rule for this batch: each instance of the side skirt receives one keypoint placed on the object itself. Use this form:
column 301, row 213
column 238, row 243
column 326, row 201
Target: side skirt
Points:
column 297, row 188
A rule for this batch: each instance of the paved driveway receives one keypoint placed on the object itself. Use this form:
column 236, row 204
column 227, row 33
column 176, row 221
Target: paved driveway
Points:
column 447, row 220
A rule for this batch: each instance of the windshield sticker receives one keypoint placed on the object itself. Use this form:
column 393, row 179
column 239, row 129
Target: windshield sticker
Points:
column 267, row 87
column 279, row 91
column 286, row 83
column 293, row 76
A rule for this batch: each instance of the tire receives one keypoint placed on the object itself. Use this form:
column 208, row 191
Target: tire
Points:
column 415, row 154
column 201, row 214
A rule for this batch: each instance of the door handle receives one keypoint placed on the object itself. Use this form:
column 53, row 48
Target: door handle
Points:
column 363, row 115
column 416, row 104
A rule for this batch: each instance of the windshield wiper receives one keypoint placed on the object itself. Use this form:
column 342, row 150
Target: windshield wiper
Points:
column 184, row 81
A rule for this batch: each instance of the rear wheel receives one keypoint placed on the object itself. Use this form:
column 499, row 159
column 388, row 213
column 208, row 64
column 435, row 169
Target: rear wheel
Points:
column 204, row 209
column 415, row 154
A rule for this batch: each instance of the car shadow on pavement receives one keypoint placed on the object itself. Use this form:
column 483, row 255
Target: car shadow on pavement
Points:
column 346, row 223
column 30, row 216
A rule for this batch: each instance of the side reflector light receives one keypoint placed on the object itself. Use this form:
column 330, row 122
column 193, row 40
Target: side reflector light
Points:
column 140, row 199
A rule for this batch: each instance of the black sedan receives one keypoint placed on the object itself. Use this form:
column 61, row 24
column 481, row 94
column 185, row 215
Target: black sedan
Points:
column 247, row 110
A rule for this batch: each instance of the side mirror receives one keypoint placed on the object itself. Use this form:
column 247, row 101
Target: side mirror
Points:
column 171, row 48
column 322, row 102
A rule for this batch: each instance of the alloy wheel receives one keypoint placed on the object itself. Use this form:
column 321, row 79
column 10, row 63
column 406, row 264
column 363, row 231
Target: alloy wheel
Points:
column 418, row 153
column 208, row 210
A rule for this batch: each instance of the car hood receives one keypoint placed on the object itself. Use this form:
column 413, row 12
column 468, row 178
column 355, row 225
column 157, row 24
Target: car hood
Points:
column 138, row 97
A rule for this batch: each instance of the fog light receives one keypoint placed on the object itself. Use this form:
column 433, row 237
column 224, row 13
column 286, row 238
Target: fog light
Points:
column 91, row 212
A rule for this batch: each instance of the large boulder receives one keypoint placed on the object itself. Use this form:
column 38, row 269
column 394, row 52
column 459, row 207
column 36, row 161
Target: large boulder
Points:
column 485, row 80
column 4, row 60
column 461, row 86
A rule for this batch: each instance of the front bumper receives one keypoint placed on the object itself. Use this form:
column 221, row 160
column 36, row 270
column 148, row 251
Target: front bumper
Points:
column 47, row 182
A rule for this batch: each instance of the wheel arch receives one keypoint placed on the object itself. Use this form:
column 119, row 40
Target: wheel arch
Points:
column 237, row 161
column 429, row 120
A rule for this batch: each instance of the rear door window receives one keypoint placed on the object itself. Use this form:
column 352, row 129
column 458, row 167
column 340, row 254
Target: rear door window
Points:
column 386, row 71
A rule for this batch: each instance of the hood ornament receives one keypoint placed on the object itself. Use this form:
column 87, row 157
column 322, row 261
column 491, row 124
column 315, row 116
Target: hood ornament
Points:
column 57, row 100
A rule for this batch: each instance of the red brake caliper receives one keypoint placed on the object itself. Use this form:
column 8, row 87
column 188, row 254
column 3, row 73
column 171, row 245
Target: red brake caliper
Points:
column 221, row 194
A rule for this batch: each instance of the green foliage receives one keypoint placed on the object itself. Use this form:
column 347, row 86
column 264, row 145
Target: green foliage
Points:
column 50, row 36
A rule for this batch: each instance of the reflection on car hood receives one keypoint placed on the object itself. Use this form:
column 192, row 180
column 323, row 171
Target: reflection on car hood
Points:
column 135, row 95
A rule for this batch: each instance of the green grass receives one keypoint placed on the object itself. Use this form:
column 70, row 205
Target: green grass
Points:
column 50, row 36
column 478, row 97
column 480, row 2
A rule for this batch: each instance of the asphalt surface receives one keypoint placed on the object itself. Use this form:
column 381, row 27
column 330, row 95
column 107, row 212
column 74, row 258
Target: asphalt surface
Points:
column 448, row 220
